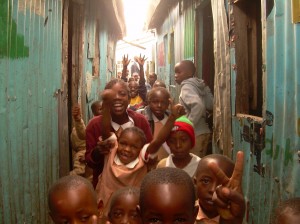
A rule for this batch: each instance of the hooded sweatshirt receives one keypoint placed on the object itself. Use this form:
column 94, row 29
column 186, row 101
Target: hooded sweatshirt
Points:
column 196, row 98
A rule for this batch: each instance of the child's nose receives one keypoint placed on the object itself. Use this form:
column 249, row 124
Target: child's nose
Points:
column 213, row 187
column 125, row 220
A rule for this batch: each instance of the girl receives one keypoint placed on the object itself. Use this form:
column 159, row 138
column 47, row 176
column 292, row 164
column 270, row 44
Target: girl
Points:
column 125, row 163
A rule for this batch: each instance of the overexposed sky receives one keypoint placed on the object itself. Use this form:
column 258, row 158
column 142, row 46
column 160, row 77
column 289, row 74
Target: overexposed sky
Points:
column 135, row 12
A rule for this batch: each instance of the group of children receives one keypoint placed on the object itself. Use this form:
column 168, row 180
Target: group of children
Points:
column 124, row 156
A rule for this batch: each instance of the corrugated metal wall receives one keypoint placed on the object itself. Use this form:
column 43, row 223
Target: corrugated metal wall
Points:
column 30, row 75
column 281, row 81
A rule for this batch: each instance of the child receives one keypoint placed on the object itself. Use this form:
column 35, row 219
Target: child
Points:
column 123, row 206
column 168, row 196
column 287, row 212
column 207, row 181
column 137, row 89
column 72, row 199
column 159, row 83
column 181, row 140
column 78, row 140
column 121, row 117
column 196, row 98
column 125, row 163
column 157, row 114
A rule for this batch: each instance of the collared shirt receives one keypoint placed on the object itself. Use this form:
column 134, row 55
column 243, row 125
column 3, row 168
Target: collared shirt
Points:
column 202, row 216
column 128, row 124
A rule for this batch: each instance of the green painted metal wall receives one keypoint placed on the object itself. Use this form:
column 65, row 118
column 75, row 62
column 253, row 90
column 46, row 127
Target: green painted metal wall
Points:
column 30, row 75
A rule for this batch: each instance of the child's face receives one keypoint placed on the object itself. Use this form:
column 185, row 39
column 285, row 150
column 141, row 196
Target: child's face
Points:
column 163, row 204
column 180, row 73
column 158, row 104
column 130, row 145
column 98, row 110
column 120, row 103
column 289, row 218
column 180, row 144
column 74, row 206
column 206, row 183
column 124, row 210
column 133, row 87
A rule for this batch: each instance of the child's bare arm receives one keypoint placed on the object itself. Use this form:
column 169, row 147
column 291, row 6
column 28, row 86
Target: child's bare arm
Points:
column 142, row 82
column 78, row 122
column 107, row 97
column 176, row 112
column 125, row 62
column 228, row 197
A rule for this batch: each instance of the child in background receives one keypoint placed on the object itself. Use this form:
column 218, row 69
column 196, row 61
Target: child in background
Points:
column 159, row 83
column 78, row 140
column 124, row 165
column 137, row 89
column 181, row 140
column 123, row 206
column 156, row 112
column 196, row 98
column 72, row 199
column 168, row 195
column 287, row 212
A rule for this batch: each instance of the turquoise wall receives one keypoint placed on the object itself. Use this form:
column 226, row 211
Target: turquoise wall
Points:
column 30, row 75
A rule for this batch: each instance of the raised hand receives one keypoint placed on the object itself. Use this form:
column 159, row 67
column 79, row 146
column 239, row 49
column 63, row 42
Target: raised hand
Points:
column 125, row 61
column 76, row 113
column 177, row 110
column 141, row 60
column 228, row 197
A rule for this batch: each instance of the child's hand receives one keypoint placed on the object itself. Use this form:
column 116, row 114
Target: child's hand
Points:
column 125, row 61
column 108, row 95
column 141, row 60
column 104, row 147
column 228, row 197
column 177, row 110
column 76, row 113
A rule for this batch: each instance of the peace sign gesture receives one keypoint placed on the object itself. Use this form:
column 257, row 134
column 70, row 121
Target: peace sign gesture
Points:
column 228, row 196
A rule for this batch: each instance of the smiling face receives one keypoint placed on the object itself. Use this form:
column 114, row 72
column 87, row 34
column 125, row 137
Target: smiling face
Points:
column 180, row 144
column 73, row 206
column 124, row 210
column 159, row 103
column 163, row 204
column 120, row 103
column 130, row 145
column 133, row 88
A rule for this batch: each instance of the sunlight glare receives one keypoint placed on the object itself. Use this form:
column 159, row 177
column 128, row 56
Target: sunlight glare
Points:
column 135, row 12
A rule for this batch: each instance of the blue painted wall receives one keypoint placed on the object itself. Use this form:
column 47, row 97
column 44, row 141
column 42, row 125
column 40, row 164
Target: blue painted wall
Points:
column 30, row 74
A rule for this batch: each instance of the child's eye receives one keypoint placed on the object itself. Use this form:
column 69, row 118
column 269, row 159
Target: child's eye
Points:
column 84, row 218
column 205, row 181
column 180, row 220
column 117, row 214
column 154, row 220
column 134, row 215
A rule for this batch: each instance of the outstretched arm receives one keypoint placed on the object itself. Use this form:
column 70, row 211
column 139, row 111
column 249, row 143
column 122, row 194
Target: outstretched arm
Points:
column 125, row 62
column 142, row 82
column 228, row 197
column 176, row 111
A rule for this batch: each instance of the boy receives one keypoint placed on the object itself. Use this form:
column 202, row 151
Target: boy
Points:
column 196, row 98
column 72, row 199
column 157, row 114
column 287, row 212
column 181, row 140
column 206, row 183
column 167, row 195
column 123, row 206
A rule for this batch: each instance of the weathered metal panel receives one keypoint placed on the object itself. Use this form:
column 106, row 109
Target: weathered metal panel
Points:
column 30, row 75
column 281, row 81
column 189, row 32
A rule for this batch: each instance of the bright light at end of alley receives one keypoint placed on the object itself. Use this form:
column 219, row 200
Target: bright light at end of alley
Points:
column 135, row 12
